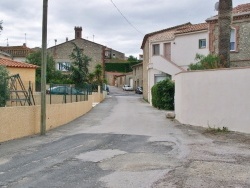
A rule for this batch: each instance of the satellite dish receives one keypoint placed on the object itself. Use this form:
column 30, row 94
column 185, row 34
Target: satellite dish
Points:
column 216, row 6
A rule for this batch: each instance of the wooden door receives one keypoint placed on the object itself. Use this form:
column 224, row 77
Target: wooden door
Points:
column 167, row 51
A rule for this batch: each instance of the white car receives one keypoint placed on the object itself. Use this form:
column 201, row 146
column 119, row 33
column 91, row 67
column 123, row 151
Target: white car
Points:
column 127, row 88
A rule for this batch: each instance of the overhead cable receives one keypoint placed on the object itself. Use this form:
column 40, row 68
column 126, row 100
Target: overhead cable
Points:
column 125, row 18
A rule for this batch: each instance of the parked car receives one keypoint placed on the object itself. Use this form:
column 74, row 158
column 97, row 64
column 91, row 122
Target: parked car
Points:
column 127, row 88
column 63, row 90
column 107, row 89
column 139, row 90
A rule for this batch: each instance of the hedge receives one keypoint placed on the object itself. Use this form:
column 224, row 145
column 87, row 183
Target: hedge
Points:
column 163, row 95
column 119, row 67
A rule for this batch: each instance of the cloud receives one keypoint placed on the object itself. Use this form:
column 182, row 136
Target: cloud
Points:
column 99, row 18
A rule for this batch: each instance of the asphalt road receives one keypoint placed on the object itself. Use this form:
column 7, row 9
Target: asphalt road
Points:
column 125, row 143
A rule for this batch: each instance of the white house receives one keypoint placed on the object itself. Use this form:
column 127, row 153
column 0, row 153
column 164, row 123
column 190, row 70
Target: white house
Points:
column 170, row 51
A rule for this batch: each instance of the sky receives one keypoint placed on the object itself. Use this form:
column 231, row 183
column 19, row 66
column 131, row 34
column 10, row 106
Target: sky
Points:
column 118, row 24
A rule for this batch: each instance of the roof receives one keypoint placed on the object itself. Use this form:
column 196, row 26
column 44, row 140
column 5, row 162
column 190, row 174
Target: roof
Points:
column 16, row 51
column 16, row 64
column 70, row 41
column 192, row 28
column 136, row 65
column 161, row 31
column 240, row 10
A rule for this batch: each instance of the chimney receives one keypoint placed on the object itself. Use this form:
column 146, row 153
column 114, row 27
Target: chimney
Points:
column 24, row 44
column 67, row 39
column 78, row 32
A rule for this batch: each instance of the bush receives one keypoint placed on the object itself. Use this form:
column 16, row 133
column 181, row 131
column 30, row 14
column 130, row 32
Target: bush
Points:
column 4, row 91
column 205, row 62
column 163, row 95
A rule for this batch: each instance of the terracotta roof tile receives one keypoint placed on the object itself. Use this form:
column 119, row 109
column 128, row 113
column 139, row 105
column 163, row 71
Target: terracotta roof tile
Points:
column 192, row 28
column 17, row 64
column 161, row 31
column 16, row 51
column 241, row 8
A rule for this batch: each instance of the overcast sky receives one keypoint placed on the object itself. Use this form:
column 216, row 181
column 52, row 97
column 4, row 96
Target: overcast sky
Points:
column 99, row 18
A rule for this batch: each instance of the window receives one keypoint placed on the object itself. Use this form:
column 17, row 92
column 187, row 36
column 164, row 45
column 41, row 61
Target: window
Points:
column 156, row 49
column 202, row 43
column 63, row 66
column 232, row 40
column 113, row 55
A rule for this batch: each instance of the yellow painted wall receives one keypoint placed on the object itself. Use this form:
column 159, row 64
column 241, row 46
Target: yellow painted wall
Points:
column 26, row 75
column 21, row 121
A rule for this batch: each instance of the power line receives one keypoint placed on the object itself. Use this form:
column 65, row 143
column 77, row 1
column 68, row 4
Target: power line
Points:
column 126, row 18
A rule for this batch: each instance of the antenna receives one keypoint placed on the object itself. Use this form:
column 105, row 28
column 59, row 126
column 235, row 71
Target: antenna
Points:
column 7, row 42
column 216, row 6
column 25, row 38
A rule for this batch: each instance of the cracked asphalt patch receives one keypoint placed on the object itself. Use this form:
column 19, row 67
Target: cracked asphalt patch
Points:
column 124, row 142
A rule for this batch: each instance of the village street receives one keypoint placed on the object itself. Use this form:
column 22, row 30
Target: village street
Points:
column 125, row 143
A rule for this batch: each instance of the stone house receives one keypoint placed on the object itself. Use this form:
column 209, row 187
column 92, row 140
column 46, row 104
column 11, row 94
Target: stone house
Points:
column 26, row 71
column 170, row 51
column 124, row 79
column 17, row 53
column 138, row 75
column 240, row 35
column 98, row 53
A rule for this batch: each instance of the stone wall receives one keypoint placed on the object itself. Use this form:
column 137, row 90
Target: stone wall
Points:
column 241, row 56
column 138, row 75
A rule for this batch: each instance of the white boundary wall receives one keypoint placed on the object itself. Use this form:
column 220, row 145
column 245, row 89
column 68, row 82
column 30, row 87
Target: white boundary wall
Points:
column 215, row 98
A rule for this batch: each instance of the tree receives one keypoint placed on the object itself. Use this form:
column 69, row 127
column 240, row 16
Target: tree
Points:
column 52, row 75
column 4, row 91
column 79, row 68
column 132, row 58
column 224, row 19
column 98, row 74
column 205, row 62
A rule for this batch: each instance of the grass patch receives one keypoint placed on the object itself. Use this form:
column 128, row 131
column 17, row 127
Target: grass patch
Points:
column 217, row 130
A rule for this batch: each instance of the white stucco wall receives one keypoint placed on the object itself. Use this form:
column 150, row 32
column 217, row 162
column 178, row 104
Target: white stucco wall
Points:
column 160, row 63
column 217, row 98
column 185, row 47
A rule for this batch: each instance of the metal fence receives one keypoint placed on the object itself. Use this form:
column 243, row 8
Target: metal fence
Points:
column 68, row 92
column 71, row 93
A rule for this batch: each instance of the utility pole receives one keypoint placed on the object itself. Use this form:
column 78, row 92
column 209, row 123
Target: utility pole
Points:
column 44, row 68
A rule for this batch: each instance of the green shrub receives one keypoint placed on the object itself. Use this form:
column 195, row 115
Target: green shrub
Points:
column 205, row 62
column 163, row 95
column 4, row 90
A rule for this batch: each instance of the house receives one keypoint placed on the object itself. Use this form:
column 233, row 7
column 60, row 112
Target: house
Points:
column 26, row 71
column 98, row 53
column 170, row 51
column 5, row 55
column 18, row 53
column 138, row 75
column 124, row 79
column 240, row 38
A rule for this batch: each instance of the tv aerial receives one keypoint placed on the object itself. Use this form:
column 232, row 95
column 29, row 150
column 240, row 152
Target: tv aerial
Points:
column 216, row 6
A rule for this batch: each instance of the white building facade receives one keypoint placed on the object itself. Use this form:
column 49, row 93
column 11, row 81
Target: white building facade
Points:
column 170, row 51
